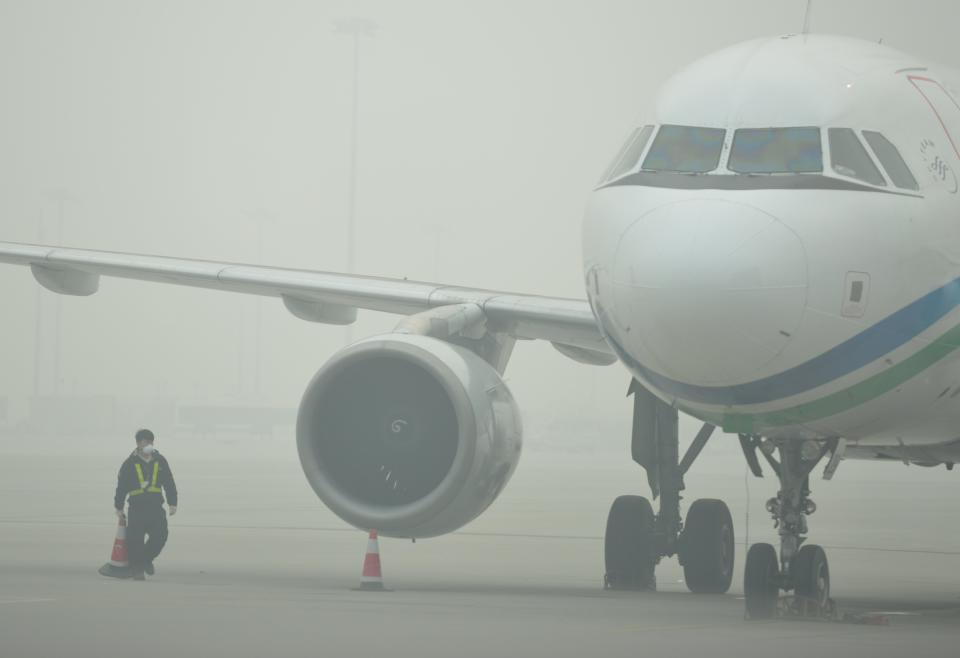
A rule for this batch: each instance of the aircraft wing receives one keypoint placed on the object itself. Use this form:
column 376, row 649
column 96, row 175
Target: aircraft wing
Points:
column 323, row 296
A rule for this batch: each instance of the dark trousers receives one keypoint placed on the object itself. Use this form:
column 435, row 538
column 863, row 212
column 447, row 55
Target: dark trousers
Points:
column 148, row 522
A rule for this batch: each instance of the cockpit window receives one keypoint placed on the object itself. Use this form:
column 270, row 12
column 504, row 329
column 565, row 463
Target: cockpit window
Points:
column 889, row 157
column 630, row 153
column 776, row 151
column 850, row 158
column 685, row 149
column 608, row 172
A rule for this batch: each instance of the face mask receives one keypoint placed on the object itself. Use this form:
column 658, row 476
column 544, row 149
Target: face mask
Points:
column 148, row 450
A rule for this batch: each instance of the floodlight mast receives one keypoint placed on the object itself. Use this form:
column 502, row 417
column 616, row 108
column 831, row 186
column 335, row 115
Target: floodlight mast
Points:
column 357, row 28
column 806, row 17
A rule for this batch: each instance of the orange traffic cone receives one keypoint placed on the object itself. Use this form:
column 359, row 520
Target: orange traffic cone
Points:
column 371, row 580
column 118, row 566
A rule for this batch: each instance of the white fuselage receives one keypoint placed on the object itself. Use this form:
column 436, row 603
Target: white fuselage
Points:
column 796, row 303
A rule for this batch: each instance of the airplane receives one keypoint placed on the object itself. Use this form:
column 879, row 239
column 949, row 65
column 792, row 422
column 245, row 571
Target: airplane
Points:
column 773, row 252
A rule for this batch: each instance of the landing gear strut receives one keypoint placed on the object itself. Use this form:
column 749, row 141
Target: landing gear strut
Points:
column 800, row 568
column 637, row 538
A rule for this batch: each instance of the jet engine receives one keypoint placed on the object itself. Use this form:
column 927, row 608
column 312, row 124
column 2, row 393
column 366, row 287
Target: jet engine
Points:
column 407, row 434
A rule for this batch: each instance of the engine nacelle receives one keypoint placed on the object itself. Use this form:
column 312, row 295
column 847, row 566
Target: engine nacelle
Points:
column 408, row 435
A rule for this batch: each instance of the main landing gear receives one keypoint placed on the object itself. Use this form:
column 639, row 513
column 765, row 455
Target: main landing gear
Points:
column 800, row 568
column 637, row 538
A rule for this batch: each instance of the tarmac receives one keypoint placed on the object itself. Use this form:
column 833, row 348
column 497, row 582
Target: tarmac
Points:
column 255, row 566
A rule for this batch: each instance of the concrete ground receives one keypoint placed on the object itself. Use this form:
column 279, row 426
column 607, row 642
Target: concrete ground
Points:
column 257, row 567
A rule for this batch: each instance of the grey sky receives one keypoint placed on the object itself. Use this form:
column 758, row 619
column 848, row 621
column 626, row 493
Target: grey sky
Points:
column 173, row 126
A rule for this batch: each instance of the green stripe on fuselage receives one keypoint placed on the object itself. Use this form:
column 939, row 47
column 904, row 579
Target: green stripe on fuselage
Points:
column 848, row 398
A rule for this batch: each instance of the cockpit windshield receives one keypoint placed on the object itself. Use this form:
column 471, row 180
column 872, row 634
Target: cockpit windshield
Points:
column 627, row 157
column 685, row 149
column 891, row 160
column 776, row 151
column 801, row 157
column 851, row 159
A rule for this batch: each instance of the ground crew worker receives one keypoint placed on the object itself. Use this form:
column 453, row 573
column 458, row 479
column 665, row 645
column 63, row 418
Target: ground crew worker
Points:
column 145, row 476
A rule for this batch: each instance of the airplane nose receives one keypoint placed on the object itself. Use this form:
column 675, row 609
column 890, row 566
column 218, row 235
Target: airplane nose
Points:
column 708, row 292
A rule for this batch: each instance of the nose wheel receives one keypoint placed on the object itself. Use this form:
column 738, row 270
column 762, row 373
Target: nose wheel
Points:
column 809, row 578
column 810, row 574
column 761, row 581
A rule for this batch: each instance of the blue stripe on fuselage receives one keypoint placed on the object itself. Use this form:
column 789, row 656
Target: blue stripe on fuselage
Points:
column 864, row 348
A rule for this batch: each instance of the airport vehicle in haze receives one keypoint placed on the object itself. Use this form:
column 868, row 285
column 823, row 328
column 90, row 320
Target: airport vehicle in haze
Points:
column 775, row 252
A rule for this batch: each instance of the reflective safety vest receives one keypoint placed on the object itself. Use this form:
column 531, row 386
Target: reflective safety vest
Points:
column 153, row 488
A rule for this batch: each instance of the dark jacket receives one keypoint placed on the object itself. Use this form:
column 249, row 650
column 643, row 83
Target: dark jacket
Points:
column 128, row 481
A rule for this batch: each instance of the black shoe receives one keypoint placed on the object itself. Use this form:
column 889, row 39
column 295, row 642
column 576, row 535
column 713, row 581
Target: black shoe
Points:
column 138, row 575
column 149, row 569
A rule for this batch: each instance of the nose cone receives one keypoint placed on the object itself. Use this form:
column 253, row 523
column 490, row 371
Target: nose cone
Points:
column 708, row 292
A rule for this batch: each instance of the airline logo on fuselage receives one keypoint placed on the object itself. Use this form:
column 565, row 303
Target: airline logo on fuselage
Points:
column 937, row 166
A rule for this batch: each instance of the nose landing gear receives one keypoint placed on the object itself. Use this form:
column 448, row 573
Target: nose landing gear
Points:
column 802, row 569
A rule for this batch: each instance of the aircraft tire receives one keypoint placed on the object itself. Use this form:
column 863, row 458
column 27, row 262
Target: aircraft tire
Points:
column 707, row 547
column 629, row 545
column 810, row 573
column 760, row 586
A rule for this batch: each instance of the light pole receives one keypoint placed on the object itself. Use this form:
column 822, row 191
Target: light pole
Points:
column 38, row 324
column 356, row 28
column 60, row 197
column 260, row 217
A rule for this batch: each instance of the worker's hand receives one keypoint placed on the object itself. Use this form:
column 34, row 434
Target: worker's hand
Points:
column 120, row 515
column 173, row 510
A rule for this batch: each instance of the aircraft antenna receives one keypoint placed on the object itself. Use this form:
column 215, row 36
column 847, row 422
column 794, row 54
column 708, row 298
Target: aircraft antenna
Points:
column 806, row 17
